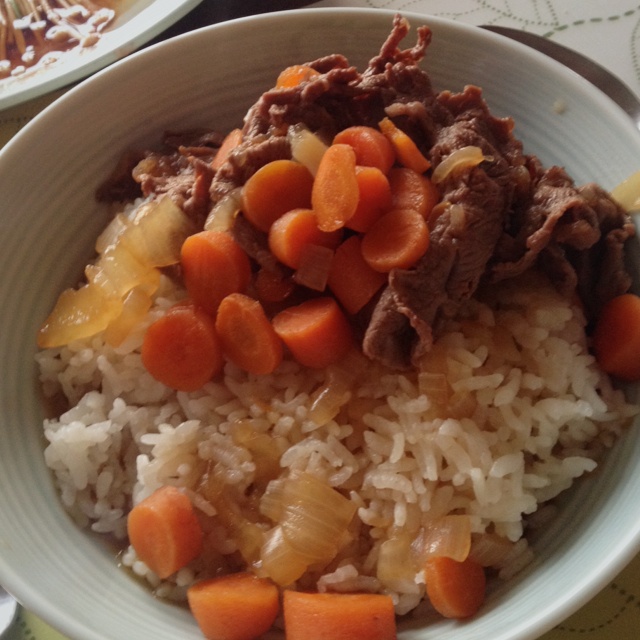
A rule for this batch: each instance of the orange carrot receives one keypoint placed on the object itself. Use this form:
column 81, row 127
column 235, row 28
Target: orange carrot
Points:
column 231, row 141
column 335, row 190
column 238, row 606
column 406, row 149
column 181, row 349
column 372, row 147
column 213, row 266
column 338, row 616
column 412, row 190
column 164, row 531
column 247, row 337
column 455, row 589
column 316, row 332
column 374, row 198
column 274, row 189
column 295, row 75
column 396, row 241
column 292, row 233
column 272, row 286
column 351, row 279
column 616, row 337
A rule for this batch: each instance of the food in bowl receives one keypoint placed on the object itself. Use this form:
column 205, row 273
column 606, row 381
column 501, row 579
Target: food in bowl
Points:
column 456, row 399
column 35, row 34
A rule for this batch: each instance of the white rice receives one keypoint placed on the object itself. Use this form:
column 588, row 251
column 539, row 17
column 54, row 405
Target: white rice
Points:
column 528, row 413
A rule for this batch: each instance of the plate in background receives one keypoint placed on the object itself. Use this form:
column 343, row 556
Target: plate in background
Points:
column 136, row 22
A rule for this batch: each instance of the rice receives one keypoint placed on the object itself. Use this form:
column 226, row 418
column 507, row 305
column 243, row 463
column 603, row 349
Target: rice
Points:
column 507, row 411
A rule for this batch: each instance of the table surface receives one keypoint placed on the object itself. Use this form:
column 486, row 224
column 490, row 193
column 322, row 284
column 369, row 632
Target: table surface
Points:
column 588, row 26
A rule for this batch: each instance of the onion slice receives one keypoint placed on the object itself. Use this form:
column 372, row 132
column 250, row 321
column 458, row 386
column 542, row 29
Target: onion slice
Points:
column 463, row 158
column 306, row 147
column 312, row 521
column 223, row 214
column 627, row 193
column 448, row 536
column 315, row 266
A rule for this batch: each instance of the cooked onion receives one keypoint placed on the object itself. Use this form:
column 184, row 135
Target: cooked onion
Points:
column 627, row 193
column 130, row 253
column 112, row 232
column 463, row 158
column 457, row 219
column 396, row 567
column 222, row 215
column 315, row 265
column 434, row 386
column 312, row 516
column 279, row 561
column 135, row 306
column 306, row 147
column 490, row 549
column 315, row 517
column 156, row 238
column 336, row 391
column 117, row 271
column 78, row 313
column 234, row 514
column 448, row 536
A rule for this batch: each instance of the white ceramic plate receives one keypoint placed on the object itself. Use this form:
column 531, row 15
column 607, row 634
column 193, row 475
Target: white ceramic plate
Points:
column 48, row 223
column 137, row 22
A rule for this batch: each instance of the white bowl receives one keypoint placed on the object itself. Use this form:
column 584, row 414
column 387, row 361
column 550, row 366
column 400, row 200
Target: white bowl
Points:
column 49, row 220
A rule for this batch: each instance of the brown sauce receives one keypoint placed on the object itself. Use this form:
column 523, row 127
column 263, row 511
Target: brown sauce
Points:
column 36, row 32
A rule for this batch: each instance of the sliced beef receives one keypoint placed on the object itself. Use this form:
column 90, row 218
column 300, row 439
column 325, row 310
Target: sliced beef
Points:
column 496, row 219
column 466, row 229
column 180, row 168
column 250, row 155
column 575, row 234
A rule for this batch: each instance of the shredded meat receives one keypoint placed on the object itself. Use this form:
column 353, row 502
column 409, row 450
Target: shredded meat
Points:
column 495, row 220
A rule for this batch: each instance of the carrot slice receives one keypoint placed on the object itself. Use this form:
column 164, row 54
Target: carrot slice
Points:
column 406, row 149
column 412, row 190
column 239, row 606
column 247, row 337
column 316, row 332
column 338, row 616
column 455, row 589
column 230, row 142
column 213, row 266
column 294, row 232
column 164, row 531
column 396, row 241
column 335, row 190
column 351, row 279
column 372, row 147
column 616, row 337
column 374, row 197
column 295, row 75
column 274, row 189
column 182, row 349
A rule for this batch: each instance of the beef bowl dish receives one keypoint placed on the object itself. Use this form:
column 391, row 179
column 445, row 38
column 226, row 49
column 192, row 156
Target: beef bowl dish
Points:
column 346, row 333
